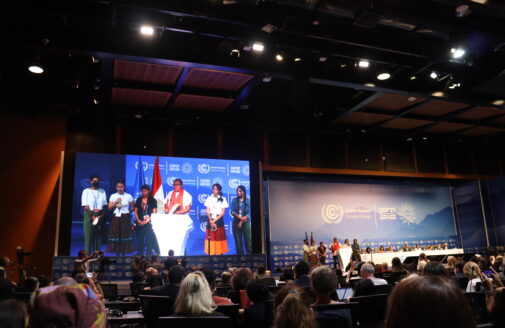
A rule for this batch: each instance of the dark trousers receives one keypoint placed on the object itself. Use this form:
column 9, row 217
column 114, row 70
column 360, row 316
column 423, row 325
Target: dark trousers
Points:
column 337, row 259
column 322, row 260
column 146, row 237
column 92, row 234
column 242, row 233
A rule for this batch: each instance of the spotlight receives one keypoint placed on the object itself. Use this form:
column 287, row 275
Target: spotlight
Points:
column 269, row 28
column 266, row 79
column 36, row 69
column 457, row 53
column 95, row 59
column 454, row 85
column 235, row 52
column 425, row 138
column 259, row 47
column 297, row 59
column 438, row 94
column 96, row 101
column 322, row 59
column 433, row 75
column 413, row 77
column 410, row 139
column 499, row 102
column 279, row 57
column 383, row 76
column 369, row 85
column 146, row 30
column 363, row 63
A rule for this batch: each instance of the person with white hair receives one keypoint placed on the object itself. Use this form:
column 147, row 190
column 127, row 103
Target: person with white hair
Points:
column 195, row 297
column 368, row 271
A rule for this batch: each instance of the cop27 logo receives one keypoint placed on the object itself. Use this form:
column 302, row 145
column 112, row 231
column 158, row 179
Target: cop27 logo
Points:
column 170, row 181
column 187, row 168
column 203, row 168
column 202, row 198
column 145, row 165
column 407, row 213
column 234, row 183
column 332, row 213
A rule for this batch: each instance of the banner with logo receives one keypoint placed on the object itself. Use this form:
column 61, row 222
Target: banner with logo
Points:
column 198, row 176
column 376, row 214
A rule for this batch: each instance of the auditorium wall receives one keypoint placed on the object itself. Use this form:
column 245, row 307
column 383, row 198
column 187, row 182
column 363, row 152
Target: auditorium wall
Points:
column 31, row 154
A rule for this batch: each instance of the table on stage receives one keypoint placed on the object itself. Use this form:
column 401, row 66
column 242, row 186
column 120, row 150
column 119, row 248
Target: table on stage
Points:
column 345, row 253
column 172, row 231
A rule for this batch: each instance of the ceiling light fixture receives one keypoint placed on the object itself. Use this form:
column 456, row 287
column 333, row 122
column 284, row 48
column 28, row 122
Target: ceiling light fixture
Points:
column 363, row 63
column 411, row 99
column 458, row 53
column 279, row 57
column 383, row 76
column 433, row 75
column 297, row 59
column 146, row 30
column 438, row 94
column 499, row 102
column 258, row 47
column 322, row 59
column 36, row 69
column 413, row 77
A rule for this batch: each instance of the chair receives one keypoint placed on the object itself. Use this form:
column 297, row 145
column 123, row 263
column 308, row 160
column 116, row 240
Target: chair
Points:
column 230, row 311
column 477, row 302
column 154, row 306
column 234, row 296
column 396, row 276
column 379, row 275
column 274, row 289
column 109, row 291
column 269, row 281
column 137, row 287
column 222, row 291
column 371, row 309
column 462, row 282
column 327, row 321
column 186, row 322
column 383, row 289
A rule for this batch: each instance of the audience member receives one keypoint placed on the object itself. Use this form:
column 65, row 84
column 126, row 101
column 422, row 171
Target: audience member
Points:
column 428, row 301
column 435, row 269
column 287, row 275
column 225, row 279
column 396, row 265
column 211, row 280
column 195, row 297
column 324, row 283
column 458, row 269
column 239, row 281
column 451, row 263
column 364, row 287
column 260, row 313
column 171, row 260
column 293, row 308
column 302, row 274
column 367, row 272
column 155, row 263
column 65, row 281
column 82, row 278
column 421, row 262
column 13, row 314
column 136, row 266
column 175, row 276
column 472, row 272
column 153, row 278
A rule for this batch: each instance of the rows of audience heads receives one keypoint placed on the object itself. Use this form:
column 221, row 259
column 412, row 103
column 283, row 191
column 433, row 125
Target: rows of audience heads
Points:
column 426, row 294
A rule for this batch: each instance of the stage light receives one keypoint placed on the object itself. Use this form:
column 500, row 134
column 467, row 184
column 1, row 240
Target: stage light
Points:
column 266, row 79
column 36, row 69
column 438, row 94
column 146, row 30
column 235, row 52
column 369, row 85
column 413, row 77
column 297, row 59
column 322, row 59
column 433, row 75
column 499, row 102
column 457, row 53
column 409, row 139
column 269, row 28
column 454, row 85
column 258, row 47
column 279, row 57
column 363, row 63
column 383, row 76
column 425, row 138
column 95, row 59
column 411, row 99
column 96, row 101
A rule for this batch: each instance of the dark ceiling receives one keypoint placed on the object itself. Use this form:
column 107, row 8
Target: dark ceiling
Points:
column 197, row 65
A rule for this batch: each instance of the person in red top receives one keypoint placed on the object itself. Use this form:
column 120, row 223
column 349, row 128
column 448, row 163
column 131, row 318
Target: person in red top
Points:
column 335, row 252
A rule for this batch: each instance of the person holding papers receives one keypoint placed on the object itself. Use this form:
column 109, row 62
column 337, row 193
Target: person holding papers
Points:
column 178, row 201
column 120, row 231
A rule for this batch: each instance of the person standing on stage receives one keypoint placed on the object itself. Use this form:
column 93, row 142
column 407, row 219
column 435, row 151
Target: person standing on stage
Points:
column 356, row 256
column 346, row 244
column 321, row 251
column 215, row 237
column 313, row 258
column 241, row 212
column 335, row 252
column 120, row 231
column 93, row 201
column 144, row 207
column 178, row 201
column 306, row 251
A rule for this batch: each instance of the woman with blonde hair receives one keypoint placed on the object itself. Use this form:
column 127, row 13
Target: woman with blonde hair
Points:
column 293, row 309
column 451, row 263
column 472, row 271
column 195, row 297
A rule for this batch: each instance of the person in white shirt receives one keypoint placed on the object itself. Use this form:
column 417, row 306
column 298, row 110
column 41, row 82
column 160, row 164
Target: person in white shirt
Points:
column 93, row 201
column 368, row 271
column 215, row 237
column 81, row 264
column 178, row 201
column 120, row 231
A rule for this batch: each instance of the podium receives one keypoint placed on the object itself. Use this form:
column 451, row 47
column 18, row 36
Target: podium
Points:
column 172, row 232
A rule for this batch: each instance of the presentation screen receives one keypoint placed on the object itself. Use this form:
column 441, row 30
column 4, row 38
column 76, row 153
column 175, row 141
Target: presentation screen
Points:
column 376, row 214
column 143, row 205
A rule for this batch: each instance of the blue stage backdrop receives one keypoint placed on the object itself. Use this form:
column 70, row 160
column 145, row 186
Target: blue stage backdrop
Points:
column 374, row 213
column 198, row 176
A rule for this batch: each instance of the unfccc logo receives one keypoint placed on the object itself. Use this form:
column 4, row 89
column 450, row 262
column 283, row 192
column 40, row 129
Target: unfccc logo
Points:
column 145, row 166
column 332, row 213
column 170, row 181
column 234, row 183
column 203, row 226
column 202, row 198
column 203, row 168
column 187, row 168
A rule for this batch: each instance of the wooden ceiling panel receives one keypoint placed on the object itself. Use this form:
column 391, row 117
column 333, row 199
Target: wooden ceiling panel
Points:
column 447, row 127
column 436, row 108
column 480, row 113
column 405, row 124
column 218, row 80
column 363, row 118
column 202, row 102
column 136, row 97
column 482, row 131
column 393, row 102
column 146, row 72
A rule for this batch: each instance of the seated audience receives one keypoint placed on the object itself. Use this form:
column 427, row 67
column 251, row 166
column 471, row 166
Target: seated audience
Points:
column 136, row 266
column 195, row 297
column 225, row 279
column 260, row 312
column 171, row 260
column 43, row 281
column 411, row 270
column 385, row 266
column 82, row 278
column 364, row 287
column 13, row 314
column 211, row 280
column 261, row 272
column 293, row 309
column 239, row 281
column 155, row 263
column 458, row 269
column 367, row 272
column 65, row 281
column 324, row 282
column 428, row 301
column 153, row 278
column 435, row 269
column 472, row 272
column 451, row 263
column 175, row 276
column 287, row 275
column 6, row 286
column 396, row 265
column 302, row 274
column 423, row 259
column 68, row 306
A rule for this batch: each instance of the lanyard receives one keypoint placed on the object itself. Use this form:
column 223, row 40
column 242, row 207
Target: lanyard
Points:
column 95, row 202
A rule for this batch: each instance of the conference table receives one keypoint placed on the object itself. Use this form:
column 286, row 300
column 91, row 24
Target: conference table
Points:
column 345, row 253
column 172, row 231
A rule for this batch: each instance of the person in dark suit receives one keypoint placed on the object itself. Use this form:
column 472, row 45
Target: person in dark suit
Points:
column 171, row 260
column 302, row 274
column 175, row 276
